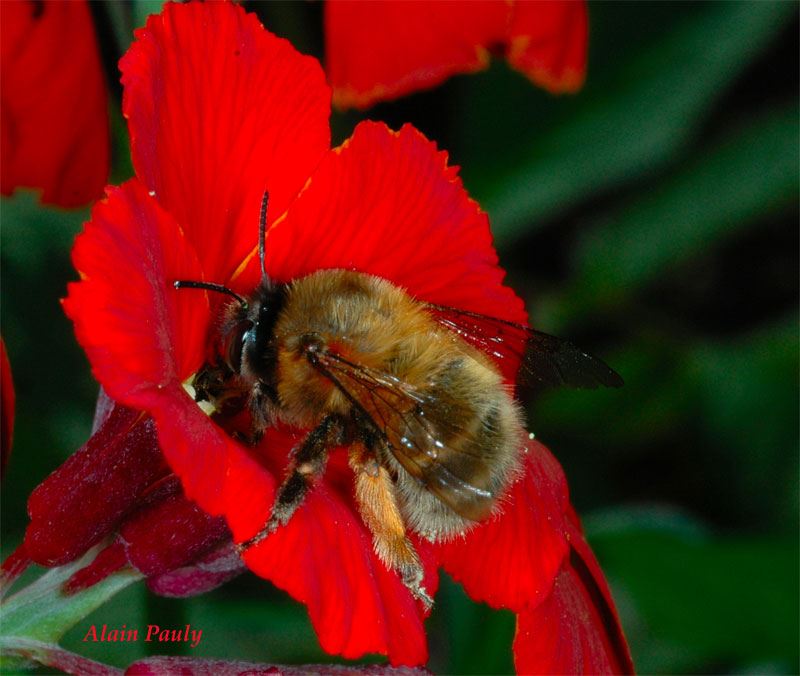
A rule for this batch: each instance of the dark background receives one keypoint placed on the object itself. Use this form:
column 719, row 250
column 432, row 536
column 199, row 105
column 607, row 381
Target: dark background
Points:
column 652, row 218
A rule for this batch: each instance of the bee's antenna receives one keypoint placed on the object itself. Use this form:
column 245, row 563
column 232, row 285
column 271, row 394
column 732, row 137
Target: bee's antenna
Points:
column 185, row 284
column 262, row 234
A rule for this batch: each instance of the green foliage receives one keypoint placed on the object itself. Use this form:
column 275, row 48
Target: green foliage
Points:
column 631, row 119
column 749, row 174
column 473, row 638
column 689, row 599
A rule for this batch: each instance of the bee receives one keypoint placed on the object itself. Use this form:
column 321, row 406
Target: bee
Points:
column 434, row 433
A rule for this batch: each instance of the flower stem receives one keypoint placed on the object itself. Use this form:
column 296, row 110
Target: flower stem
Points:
column 26, row 650
column 37, row 616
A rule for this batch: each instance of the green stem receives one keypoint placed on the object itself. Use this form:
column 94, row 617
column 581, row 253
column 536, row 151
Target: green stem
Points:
column 37, row 616
column 19, row 652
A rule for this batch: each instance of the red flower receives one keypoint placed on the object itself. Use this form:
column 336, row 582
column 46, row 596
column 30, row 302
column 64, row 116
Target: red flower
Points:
column 383, row 50
column 220, row 110
column 54, row 105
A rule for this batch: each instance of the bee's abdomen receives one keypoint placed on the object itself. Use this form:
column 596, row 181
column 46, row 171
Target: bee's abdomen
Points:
column 477, row 434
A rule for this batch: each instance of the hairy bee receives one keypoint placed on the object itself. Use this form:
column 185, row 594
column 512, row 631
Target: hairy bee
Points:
column 434, row 433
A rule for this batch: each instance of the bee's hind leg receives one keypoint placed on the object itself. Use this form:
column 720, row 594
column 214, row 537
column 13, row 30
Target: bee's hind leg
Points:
column 377, row 502
column 307, row 464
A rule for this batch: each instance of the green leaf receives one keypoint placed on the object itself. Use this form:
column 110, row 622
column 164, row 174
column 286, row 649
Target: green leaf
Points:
column 749, row 175
column 641, row 117
column 695, row 604
column 750, row 408
column 467, row 637
column 259, row 628
column 141, row 9
column 32, row 231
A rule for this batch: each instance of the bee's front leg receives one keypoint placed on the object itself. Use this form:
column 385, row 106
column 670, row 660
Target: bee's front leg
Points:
column 307, row 464
column 262, row 410
column 377, row 502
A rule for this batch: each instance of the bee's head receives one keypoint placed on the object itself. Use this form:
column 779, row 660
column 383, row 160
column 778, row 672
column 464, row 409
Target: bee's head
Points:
column 246, row 342
column 246, row 332
column 248, row 345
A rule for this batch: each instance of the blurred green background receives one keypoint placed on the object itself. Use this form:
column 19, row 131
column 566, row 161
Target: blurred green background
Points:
column 653, row 219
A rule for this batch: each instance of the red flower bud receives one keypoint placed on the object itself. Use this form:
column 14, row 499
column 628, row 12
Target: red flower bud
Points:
column 164, row 537
column 118, row 482
column 169, row 534
column 204, row 574
column 84, row 500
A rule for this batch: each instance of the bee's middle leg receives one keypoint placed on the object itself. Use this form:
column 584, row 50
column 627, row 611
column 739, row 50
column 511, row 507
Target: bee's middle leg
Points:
column 377, row 502
column 307, row 464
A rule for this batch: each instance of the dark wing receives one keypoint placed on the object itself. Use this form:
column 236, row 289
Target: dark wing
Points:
column 543, row 358
column 400, row 415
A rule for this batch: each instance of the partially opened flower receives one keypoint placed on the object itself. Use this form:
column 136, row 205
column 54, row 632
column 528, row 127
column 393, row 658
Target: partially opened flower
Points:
column 383, row 50
column 220, row 113
column 117, row 490
column 55, row 134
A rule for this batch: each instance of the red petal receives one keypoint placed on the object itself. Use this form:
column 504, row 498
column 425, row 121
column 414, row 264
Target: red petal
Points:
column 358, row 606
column 548, row 42
column 576, row 630
column 219, row 109
column 249, row 488
column 213, row 468
column 324, row 558
column 83, row 500
column 511, row 561
column 386, row 203
column 53, row 97
column 138, row 336
column 561, row 635
column 6, row 407
column 588, row 569
column 384, row 50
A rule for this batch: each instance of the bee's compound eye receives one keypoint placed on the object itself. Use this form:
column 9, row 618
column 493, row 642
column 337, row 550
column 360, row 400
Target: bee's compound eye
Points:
column 234, row 343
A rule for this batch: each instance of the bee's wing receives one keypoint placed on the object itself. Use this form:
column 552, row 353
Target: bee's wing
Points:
column 396, row 412
column 543, row 359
